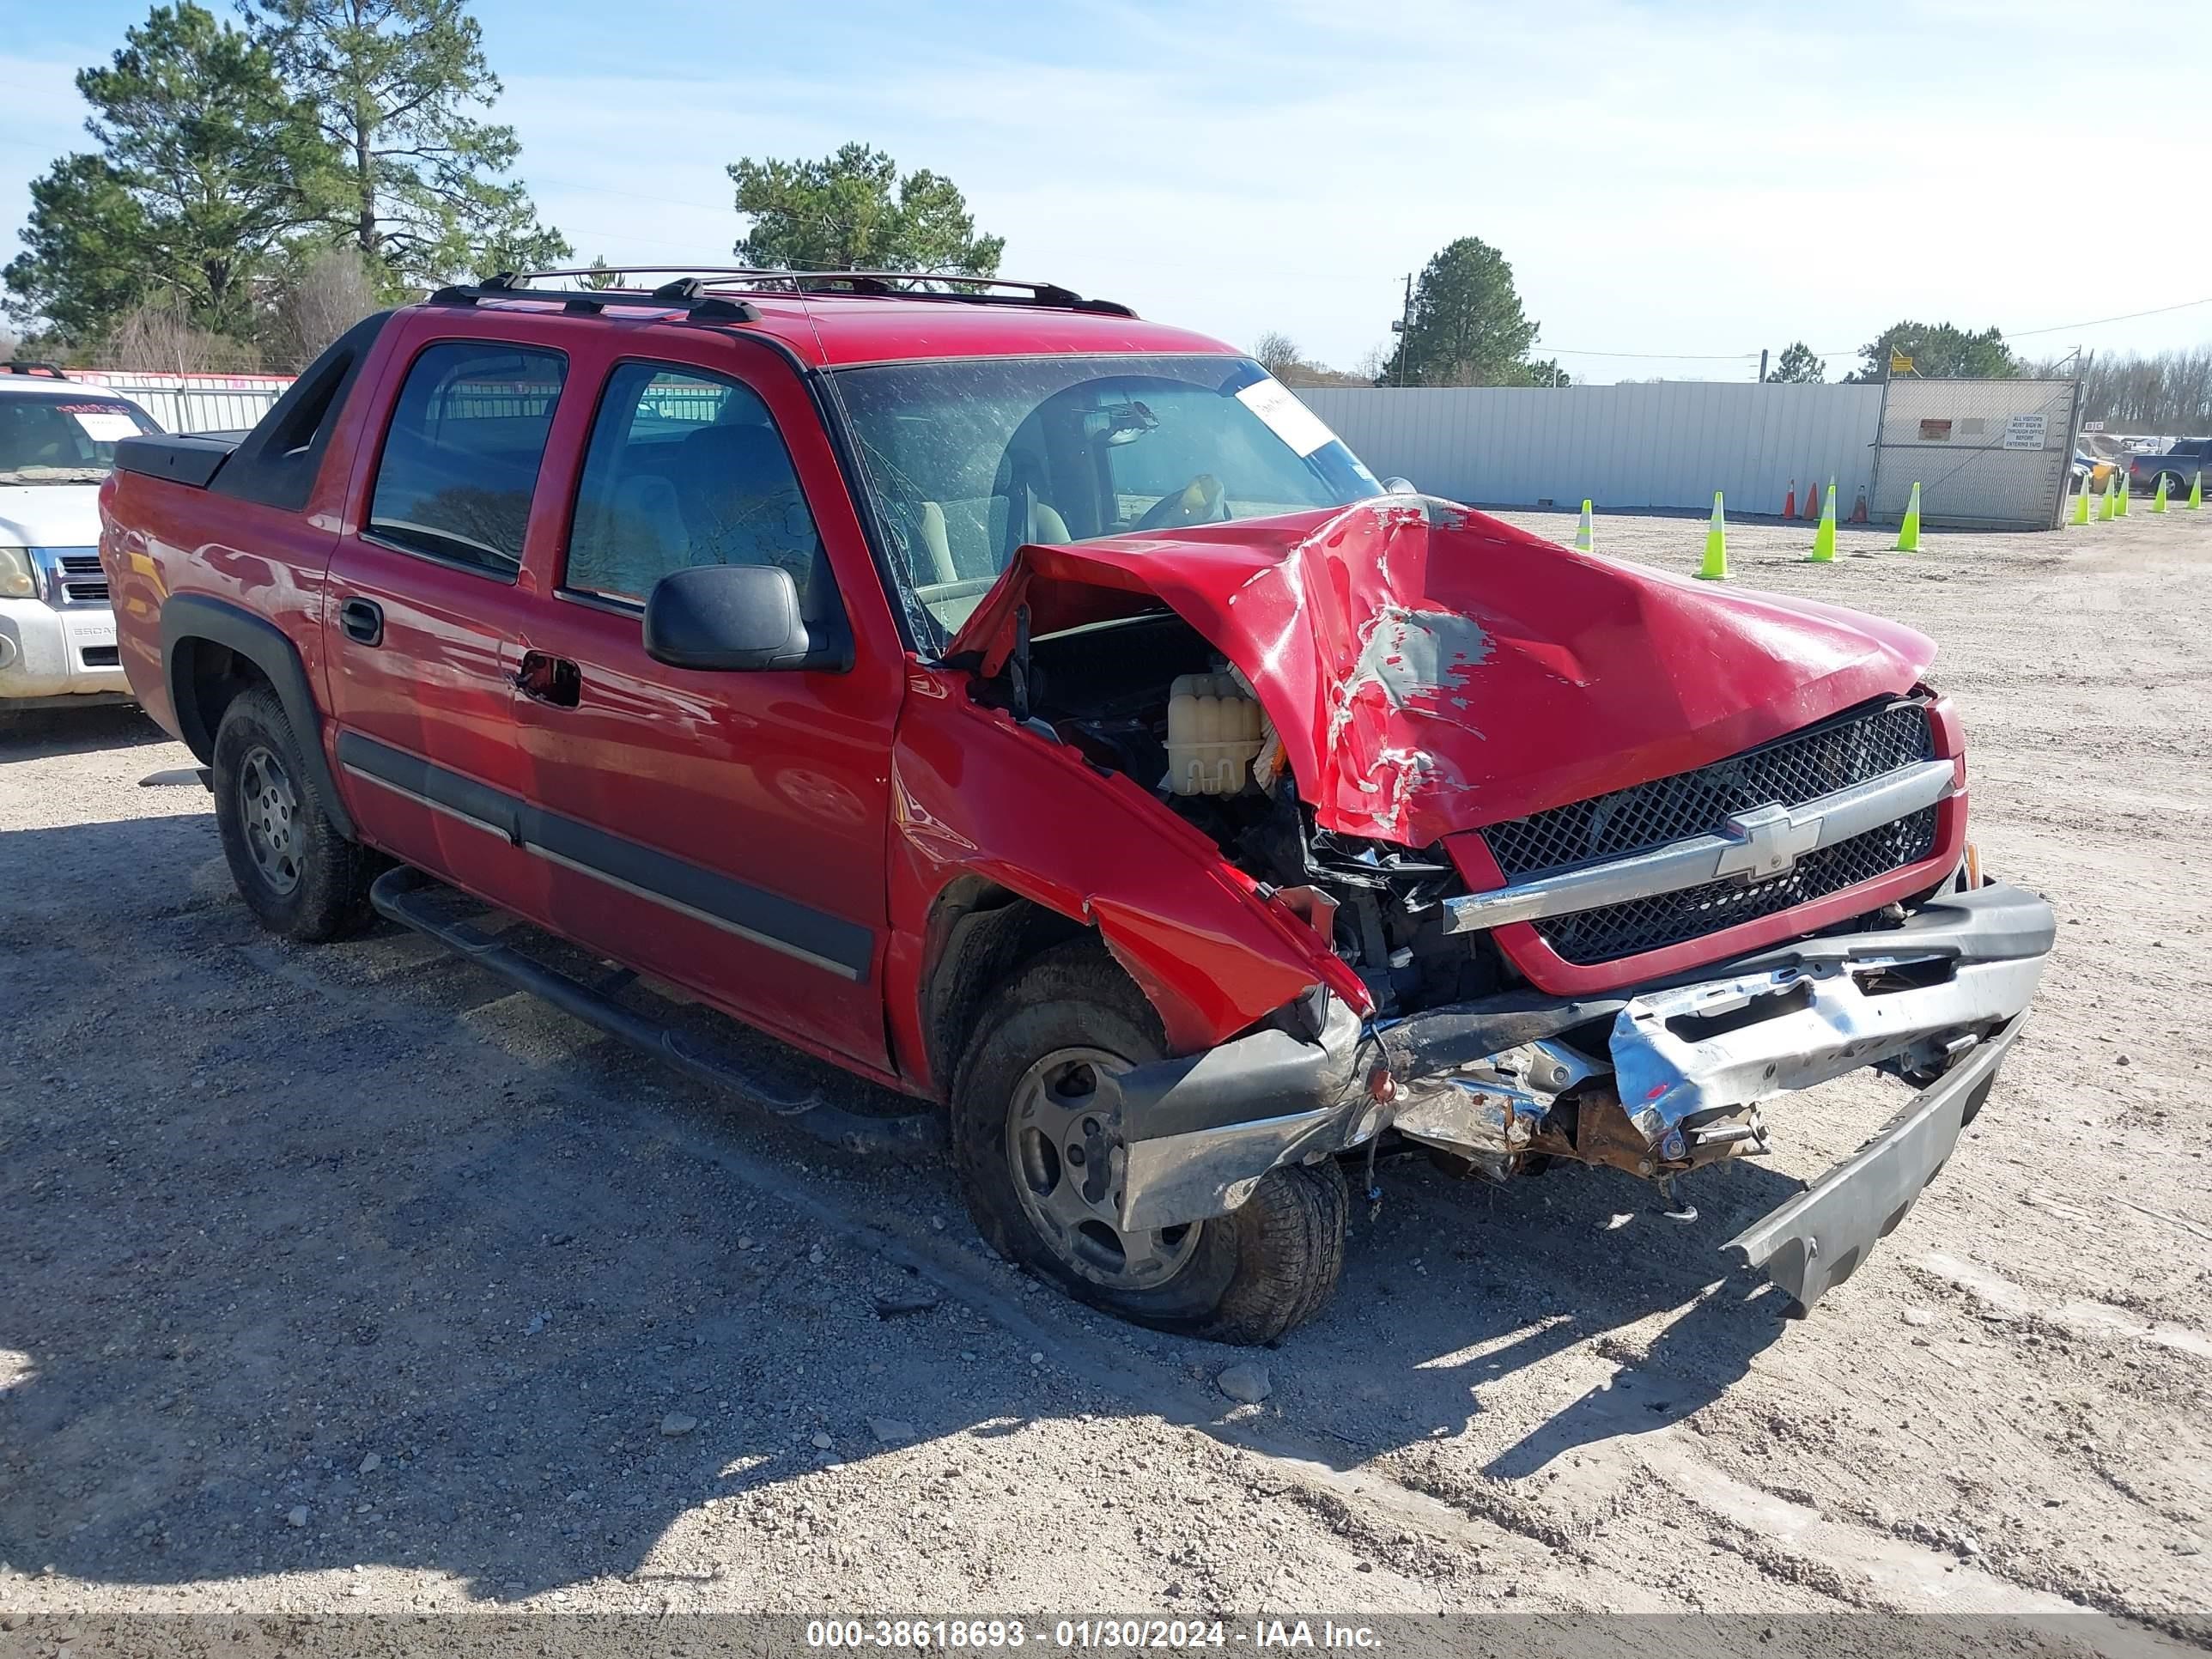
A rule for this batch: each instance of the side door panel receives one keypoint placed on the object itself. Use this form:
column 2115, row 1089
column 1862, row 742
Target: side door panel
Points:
column 422, row 650
column 724, row 831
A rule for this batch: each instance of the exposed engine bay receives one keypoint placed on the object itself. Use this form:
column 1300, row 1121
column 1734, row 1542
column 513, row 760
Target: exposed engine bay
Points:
column 1486, row 1075
column 1149, row 698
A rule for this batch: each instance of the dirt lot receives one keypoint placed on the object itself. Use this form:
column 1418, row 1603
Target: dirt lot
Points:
column 336, row 1278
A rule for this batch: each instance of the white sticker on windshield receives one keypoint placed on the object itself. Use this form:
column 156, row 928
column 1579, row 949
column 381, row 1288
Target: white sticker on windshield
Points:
column 1286, row 417
column 106, row 426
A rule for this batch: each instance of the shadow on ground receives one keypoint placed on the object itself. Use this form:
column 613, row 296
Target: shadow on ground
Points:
column 42, row 733
column 318, row 1257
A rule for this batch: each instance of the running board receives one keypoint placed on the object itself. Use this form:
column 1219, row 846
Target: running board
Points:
column 409, row 898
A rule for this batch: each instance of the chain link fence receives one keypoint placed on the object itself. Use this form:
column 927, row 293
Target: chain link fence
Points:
column 1987, row 454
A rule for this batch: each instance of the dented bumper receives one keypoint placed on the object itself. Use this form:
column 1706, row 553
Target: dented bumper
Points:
column 1818, row 1238
column 1659, row 1082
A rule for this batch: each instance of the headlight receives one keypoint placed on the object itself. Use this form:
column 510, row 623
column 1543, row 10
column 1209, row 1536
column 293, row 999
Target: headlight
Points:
column 17, row 581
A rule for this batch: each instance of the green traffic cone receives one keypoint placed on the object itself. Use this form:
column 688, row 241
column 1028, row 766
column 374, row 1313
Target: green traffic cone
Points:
column 2158, row 496
column 1715, row 568
column 2081, row 503
column 1585, row 535
column 2196, row 492
column 1908, row 533
column 1824, row 539
column 2120, row 511
column 2108, row 503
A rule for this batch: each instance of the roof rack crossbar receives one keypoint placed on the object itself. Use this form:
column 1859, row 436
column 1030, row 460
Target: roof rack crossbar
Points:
column 689, row 297
column 875, row 284
column 26, row 366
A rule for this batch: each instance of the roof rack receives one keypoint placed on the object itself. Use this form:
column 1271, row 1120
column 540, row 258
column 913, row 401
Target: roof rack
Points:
column 21, row 366
column 687, row 294
column 697, row 282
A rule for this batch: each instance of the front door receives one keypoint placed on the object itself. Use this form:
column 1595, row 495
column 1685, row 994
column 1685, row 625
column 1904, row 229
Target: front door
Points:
column 424, row 610
column 722, row 831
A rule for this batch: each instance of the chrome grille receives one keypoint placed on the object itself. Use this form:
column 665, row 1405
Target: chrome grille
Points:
column 82, row 580
column 1613, row 931
column 1849, row 749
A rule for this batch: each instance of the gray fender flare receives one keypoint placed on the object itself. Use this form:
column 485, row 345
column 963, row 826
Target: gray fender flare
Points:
column 187, row 616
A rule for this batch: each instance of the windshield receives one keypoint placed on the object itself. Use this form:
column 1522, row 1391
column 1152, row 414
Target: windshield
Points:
column 967, row 461
column 44, row 439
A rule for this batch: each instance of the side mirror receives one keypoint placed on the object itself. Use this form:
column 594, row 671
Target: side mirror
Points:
column 731, row 616
column 1400, row 486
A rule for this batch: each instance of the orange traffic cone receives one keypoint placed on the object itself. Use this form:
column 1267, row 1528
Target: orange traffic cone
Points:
column 1858, row 508
column 1790, row 502
column 1812, row 498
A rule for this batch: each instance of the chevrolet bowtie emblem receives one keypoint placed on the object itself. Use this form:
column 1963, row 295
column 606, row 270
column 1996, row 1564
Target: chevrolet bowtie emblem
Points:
column 1769, row 842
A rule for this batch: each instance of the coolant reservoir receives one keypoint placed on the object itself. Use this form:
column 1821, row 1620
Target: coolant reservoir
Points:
column 1213, row 735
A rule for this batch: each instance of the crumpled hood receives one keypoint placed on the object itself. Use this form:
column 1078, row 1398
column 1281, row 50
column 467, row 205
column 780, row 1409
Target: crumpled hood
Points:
column 50, row 515
column 1430, row 669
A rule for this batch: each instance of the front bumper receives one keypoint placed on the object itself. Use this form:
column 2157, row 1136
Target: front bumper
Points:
column 1658, row 1081
column 50, row 653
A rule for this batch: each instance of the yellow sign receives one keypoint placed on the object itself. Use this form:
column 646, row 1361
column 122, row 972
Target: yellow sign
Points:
column 1899, row 362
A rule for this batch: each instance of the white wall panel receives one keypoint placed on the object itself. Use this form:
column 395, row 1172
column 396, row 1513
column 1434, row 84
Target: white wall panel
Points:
column 193, row 403
column 1669, row 444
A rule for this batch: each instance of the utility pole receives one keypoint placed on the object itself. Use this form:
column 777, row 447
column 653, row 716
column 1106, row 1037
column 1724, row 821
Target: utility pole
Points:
column 1762, row 365
column 1404, row 324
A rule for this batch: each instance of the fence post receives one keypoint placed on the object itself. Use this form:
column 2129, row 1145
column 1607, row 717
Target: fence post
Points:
column 2073, row 440
column 1880, row 425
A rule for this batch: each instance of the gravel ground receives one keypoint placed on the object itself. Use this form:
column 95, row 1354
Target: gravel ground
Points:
column 335, row 1277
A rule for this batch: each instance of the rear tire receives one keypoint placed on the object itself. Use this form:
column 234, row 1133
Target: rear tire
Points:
column 298, row 875
column 1019, row 1134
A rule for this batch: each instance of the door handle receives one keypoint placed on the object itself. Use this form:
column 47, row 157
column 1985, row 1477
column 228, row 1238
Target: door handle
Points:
column 550, row 679
column 363, row 621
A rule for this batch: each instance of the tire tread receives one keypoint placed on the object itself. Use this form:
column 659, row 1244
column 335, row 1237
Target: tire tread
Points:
column 1274, row 1262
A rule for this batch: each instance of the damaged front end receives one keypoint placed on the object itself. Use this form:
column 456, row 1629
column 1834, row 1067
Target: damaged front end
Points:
column 1658, row 1083
column 1597, row 862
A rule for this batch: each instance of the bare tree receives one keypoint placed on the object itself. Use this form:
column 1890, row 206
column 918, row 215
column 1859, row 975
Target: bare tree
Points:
column 1278, row 353
column 159, row 336
column 2169, row 393
column 327, row 294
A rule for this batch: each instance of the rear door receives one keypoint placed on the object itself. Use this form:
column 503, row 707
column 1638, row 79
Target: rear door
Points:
column 425, row 600
column 722, row 831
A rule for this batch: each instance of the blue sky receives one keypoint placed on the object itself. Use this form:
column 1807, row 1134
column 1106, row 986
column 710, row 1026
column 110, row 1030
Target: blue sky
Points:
column 1700, row 179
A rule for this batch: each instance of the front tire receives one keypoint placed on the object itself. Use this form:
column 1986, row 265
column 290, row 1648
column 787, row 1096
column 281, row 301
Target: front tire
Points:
column 298, row 875
column 1038, row 1169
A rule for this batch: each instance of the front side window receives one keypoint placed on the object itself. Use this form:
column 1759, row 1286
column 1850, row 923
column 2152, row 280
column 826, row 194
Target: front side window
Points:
column 46, row 439
column 967, row 461
column 687, row 468
column 461, row 462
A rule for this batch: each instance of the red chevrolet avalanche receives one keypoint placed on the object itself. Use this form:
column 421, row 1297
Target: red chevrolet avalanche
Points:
column 1040, row 713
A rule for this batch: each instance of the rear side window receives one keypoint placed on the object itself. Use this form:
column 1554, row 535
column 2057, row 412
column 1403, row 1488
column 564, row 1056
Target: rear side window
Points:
column 688, row 468
column 461, row 458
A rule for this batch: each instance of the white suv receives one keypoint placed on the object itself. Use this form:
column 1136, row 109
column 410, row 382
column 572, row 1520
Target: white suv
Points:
column 57, row 633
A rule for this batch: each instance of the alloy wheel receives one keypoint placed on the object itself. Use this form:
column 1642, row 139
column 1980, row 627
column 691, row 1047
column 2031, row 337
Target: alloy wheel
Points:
column 1064, row 1145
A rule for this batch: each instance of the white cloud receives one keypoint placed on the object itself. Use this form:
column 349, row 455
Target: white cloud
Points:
column 1698, row 176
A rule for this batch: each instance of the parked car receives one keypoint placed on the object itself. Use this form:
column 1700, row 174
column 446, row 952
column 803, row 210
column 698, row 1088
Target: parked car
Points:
column 1040, row 713
column 58, row 442
column 2090, row 471
column 2178, row 466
